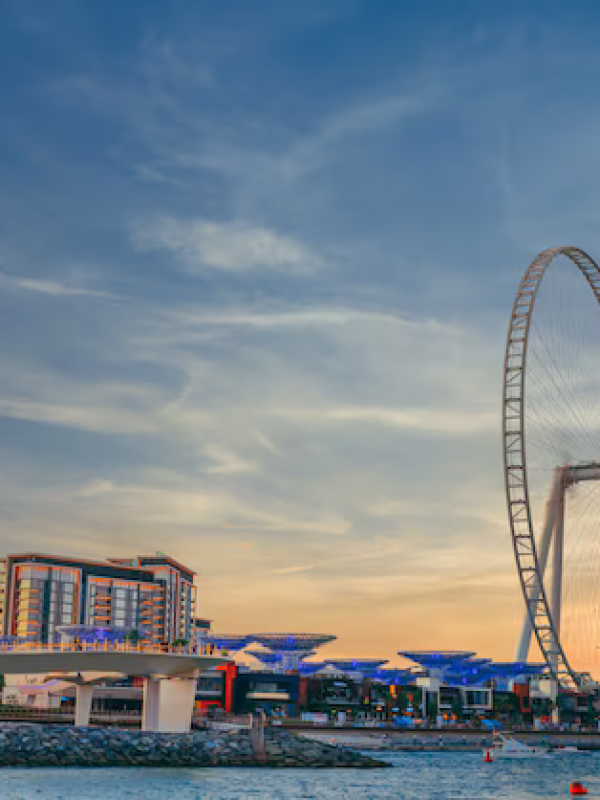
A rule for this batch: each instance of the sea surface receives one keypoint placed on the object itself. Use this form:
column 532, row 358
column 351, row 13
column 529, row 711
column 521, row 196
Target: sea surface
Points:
column 414, row 775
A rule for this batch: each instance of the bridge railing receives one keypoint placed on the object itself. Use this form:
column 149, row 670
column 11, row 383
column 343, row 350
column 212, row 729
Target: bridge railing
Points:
column 108, row 646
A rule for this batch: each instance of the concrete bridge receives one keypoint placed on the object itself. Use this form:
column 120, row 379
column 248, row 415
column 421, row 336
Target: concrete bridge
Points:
column 169, row 675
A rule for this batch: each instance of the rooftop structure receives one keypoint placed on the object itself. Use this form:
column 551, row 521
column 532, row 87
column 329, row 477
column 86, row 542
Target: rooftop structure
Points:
column 227, row 641
column 292, row 647
column 292, row 642
column 437, row 659
column 364, row 666
column 472, row 673
column 265, row 656
column 310, row 667
column 392, row 676
column 92, row 633
column 514, row 668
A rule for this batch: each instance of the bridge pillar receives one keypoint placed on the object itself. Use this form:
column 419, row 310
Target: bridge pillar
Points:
column 83, row 704
column 150, row 704
column 168, row 704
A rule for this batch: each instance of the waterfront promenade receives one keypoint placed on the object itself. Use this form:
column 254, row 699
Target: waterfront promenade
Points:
column 435, row 740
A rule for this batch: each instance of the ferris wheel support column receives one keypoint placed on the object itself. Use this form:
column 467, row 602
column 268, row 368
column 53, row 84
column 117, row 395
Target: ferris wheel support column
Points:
column 543, row 549
column 557, row 562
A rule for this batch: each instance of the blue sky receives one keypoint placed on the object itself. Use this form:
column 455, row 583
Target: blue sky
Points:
column 256, row 263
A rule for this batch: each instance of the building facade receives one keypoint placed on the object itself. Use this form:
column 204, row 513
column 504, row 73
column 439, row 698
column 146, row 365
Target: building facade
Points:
column 154, row 596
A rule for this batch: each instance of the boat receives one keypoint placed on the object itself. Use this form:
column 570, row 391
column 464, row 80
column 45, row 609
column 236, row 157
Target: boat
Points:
column 505, row 747
column 568, row 749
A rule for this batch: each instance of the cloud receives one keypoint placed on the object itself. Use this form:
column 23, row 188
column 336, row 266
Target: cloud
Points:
column 427, row 420
column 267, row 443
column 201, row 244
column 290, row 317
column 51, row 288
column 305, row 152
column 225, row 462
column 91, row 418
column 203, row 507
column 293, row 570
column 95, row 488
column 367, row 116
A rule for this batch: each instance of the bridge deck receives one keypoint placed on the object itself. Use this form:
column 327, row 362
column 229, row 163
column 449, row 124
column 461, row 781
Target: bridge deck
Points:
column 21, row 662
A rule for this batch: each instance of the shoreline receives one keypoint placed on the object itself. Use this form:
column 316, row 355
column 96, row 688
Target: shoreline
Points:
column 445, row 741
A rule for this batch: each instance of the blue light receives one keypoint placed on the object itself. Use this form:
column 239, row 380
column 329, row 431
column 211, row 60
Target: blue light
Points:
column 437, row 659
column 291, row 642
column 309, row 668
column 93, row 633
column 227, row 641
column 265, row 656
column 356, row 664
column 393, row 676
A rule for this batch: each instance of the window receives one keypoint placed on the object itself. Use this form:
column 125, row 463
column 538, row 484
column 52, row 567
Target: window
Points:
column 477, row 698
column 266, row 688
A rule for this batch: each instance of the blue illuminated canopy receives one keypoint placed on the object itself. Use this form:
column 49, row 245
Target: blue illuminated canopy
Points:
column 310, row 667
column 292, row 642
column 227, row 641
column 265, row 656
column 393, row 676
column 15, row 639
column 472, row 673
column 511, row 669
column 437, row 659
column 93, row 633
column 357, row 664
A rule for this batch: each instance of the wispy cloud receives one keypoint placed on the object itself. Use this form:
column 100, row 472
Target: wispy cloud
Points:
column 293, row 570
column 226, row 462
column 51, row 288
column 428, row 420
column 298, row 317
column 201, row 244
column 205, row 507
column 92, row 418
column 267, row 443
column 308, row 152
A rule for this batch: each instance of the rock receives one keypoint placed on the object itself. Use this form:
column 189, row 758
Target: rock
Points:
column 59, row 745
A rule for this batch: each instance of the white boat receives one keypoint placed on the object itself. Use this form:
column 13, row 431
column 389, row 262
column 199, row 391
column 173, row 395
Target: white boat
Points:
column 570, row 749
column 511, row 748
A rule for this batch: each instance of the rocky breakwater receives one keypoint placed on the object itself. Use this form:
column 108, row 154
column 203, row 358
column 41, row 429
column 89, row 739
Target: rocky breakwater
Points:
column 25, row 745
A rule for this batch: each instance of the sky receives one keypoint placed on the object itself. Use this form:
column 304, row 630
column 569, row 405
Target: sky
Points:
column 256, row 268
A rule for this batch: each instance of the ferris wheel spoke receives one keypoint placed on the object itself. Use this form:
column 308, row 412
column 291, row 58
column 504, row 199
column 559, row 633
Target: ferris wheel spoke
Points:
column 582, row 557
column 571, row 409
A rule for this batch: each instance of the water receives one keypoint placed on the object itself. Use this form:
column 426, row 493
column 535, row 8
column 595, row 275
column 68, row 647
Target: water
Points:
column 414, row 775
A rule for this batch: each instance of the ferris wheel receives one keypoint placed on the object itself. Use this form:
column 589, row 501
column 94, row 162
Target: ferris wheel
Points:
column 551, row 428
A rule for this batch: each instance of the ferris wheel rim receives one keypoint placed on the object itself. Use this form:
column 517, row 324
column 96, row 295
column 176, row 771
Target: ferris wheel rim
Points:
column 514, row 450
